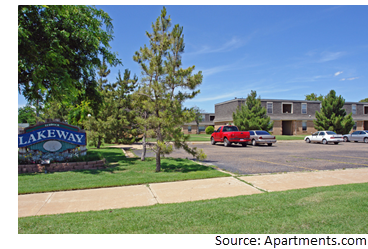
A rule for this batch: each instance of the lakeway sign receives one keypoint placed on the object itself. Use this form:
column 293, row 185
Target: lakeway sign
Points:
column 51, row 133
column 52, row 137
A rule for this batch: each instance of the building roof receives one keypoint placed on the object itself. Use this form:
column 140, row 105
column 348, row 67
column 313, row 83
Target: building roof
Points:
column 285, row 100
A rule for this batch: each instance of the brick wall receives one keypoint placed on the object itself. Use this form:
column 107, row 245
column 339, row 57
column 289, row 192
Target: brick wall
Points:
column 61, row 167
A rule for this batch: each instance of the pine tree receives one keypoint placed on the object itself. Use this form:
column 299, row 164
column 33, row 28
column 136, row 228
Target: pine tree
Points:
column 163, row 83
column 141, row 106
column 96, row 123
column 332, row 116
column 251, row 115
column 115, row 121
column 121, row 126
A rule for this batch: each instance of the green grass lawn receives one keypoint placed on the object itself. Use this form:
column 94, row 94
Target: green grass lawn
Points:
column 289, row 137
column 123, row 171
column 341, row 209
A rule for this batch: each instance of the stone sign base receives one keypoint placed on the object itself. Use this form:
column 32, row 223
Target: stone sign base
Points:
column 60, row 167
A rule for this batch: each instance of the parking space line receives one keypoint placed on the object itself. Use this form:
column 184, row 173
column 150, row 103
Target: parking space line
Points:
column 331, row 160
column 364, row 158
column 283, row 164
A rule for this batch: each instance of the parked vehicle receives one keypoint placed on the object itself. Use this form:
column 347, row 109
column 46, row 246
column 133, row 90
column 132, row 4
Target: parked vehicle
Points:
column 229, row 134
column 261, row 137
column 324, row 137
column 357, row 136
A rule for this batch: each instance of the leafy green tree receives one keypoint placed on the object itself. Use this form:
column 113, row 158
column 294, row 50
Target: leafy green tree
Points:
column 27, row 114
column 251, row 115
column 364, row 100
column 198, row 116
column 210, row 130
column 161, row 66
column 58, row 46
column 313, row 96
column 332, row 116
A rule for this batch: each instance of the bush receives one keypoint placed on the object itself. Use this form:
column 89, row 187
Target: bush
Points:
column 34, row 157
column 210, row 130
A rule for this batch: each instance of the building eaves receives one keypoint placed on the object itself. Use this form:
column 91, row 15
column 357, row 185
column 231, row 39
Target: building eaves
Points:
column 272, row 100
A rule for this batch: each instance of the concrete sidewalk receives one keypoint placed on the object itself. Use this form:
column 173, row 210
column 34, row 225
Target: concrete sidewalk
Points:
column 181, row 191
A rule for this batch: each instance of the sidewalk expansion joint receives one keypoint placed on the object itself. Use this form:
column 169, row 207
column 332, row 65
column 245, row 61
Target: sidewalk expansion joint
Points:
column 154, row 196
column 260, row 189
column 46, row 201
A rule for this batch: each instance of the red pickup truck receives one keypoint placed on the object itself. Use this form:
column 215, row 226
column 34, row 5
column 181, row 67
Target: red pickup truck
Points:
column 229, row 134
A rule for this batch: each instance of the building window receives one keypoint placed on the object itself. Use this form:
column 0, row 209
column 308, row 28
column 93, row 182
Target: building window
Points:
column 355, row 126
column 366, row 109
column 189, row 128
column 304, row 108
column 269, row 107
column 353, row 109
column 203, row 117
column 304, row 125
column 201, row 128
column 287, row 108
column 212, row 118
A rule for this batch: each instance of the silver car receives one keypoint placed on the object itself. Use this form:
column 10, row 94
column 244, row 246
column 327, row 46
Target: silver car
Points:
column 357, row 136
column 261, row 137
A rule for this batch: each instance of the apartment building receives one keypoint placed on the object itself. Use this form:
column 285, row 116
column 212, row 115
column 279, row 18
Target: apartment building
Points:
column 291, row 117
column 207, row 120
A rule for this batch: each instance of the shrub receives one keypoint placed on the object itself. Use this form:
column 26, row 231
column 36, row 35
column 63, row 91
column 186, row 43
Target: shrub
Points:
column 34, row 157
column 210, row 130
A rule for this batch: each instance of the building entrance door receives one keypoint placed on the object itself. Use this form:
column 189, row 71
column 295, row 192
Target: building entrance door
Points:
column 366, row 125
column 287, row 127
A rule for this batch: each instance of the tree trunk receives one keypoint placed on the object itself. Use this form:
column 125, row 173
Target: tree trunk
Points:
column 158, row 152
column 197, row 127
column 98, row 144
column 158, row 160
column 143, row 157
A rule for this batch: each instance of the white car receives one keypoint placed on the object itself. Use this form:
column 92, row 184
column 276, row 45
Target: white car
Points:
column 324, row 137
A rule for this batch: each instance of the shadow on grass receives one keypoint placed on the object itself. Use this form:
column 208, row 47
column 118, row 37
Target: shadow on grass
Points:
column 181, row 165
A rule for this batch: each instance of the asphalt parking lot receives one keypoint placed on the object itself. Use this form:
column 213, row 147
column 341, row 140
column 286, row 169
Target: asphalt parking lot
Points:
column 284, row 156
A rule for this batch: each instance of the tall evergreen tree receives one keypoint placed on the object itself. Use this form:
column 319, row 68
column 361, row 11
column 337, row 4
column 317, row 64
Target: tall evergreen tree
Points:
column 121, row 126
column 96, row 123
column 332, row 116
column 163, row 83
column 251, row 115
column 141, row 109
column 114, row 120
